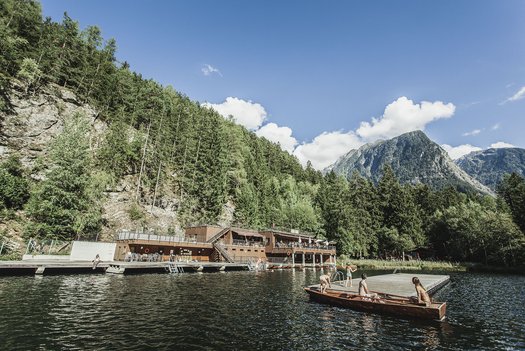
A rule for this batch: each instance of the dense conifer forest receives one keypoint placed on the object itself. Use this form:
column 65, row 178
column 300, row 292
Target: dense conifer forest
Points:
column 170, row 144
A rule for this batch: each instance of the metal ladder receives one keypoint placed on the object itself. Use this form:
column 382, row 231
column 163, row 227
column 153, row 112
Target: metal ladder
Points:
column 174, row 268
column 338, row 277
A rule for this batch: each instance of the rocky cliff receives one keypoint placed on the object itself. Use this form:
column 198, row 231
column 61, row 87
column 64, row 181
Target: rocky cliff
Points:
column 489, row 166
column 414, row 158
column 33, row 122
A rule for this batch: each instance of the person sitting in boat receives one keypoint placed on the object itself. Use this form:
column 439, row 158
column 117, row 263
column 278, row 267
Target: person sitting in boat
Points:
column 324, row 282
column 421, row 293
column 349, row 271
column 363, row 288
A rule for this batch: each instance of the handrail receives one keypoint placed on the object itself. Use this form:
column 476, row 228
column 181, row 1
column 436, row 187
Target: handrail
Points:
column 218, row 235
column 154, row 237
column 223, row 252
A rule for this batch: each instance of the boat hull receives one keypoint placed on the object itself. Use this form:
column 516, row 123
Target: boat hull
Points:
column 399, row 307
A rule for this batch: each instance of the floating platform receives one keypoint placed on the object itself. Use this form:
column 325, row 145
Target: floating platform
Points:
column 56, row 267
column 395, row 284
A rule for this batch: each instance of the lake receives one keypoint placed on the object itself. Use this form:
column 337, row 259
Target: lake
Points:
column 244, row 311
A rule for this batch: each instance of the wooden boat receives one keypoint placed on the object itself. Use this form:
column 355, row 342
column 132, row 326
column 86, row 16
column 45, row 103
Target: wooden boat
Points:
column 388, row 304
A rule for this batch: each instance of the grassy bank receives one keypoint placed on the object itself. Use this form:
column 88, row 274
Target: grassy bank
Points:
column 405, row 265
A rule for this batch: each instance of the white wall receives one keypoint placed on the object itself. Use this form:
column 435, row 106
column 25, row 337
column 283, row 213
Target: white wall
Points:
column 87, row 250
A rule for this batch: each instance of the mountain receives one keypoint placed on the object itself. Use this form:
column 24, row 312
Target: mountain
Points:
column 414, row 158
column 489, row 166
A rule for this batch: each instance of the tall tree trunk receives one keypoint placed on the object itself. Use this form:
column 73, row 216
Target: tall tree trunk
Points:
column 142, row 164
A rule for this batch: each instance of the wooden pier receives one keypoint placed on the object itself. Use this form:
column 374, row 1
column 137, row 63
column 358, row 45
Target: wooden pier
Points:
column 50, row 267
column 395, row 284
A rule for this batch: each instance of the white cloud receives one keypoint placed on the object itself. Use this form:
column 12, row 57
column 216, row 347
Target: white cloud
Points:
column 518, row 96
column 403, row 116
column 456, row 152
column 501, row 144
column 495, row 126
column 281, row 135
column 246, row 113
column 472, row 132
column 209, row 69
column 326, row 148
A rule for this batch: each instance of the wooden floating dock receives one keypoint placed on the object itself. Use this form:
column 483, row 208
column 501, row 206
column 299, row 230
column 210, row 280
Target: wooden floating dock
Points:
column 395, row 284
column 17, row 268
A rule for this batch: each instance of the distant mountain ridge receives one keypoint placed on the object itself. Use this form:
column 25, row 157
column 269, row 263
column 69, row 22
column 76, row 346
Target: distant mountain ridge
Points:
column 413, row 157
column 489, row 166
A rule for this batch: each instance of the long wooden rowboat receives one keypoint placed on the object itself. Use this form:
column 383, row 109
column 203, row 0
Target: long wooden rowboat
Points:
column 388, row 304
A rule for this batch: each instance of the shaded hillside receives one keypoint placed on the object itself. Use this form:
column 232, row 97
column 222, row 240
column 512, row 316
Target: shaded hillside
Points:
column 489, row 166
column 160, row 154
column 413, row 157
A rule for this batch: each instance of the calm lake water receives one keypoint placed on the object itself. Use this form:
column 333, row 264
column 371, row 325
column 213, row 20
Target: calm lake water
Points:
column 244, row 311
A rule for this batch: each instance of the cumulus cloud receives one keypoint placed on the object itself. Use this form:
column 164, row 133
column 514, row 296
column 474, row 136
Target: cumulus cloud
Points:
column 280, row 135
column 518, row 96
column 495, row 126
column 456, row 152
column 403, row 116
column 326, row 148
column 472, row 132
column 209, row 69
column 246, row 113
column 501, row 144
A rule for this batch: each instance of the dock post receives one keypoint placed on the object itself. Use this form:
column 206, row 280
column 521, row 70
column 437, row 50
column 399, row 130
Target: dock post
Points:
column 303, row 259
column 293, row 259
column 313, row 260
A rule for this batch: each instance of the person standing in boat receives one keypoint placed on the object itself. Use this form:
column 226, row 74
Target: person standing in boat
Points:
column 421, row 293
column 363, row 288
column 324, row 282
column 349, row 271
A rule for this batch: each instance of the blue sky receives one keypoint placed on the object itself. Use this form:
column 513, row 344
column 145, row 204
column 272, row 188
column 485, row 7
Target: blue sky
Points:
column 308, row 73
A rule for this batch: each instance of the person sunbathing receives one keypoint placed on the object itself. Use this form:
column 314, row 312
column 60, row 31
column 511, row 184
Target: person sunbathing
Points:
column 421, row 293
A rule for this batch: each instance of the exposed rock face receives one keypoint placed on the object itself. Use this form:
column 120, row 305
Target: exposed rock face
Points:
column 36, row 119
column 489, row 166
column 33, row 123
column 413, row 157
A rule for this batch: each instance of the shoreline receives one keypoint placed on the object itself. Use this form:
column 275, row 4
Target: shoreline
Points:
column 420, row 265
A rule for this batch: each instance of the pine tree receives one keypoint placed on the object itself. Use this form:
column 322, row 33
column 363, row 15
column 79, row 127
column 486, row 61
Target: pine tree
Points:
column 62, row 206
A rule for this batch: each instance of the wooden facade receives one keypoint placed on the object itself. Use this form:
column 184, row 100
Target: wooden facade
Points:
column 217, row 244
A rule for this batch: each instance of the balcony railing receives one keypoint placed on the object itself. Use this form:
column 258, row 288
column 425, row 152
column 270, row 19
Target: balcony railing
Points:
column 247, row 243
column 154, row 237
column 297, row 245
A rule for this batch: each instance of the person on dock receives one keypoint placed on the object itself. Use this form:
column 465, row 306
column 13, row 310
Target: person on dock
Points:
column 363, row 288
column 324, row 282
column 421, row 292
column 349, row 271
column 96, row 261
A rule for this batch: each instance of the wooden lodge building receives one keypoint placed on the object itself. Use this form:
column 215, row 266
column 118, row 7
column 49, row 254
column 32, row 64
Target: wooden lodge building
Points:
column 217, row 244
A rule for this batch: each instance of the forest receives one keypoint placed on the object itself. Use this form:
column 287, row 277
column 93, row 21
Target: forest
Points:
column 172, row 146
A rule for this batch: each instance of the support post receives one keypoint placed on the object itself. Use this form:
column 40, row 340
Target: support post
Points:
column 313, row 259
column 303, row 259
column 293, row 259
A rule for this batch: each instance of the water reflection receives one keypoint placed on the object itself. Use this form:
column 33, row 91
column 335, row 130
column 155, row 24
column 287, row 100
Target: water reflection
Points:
column 243, row 310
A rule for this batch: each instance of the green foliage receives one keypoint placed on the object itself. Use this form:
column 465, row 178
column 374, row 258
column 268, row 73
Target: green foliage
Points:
column 136, row 213
column 67, row 203
column 471, row 232
column 512, row 191
column 29, row 72
column 14, row 187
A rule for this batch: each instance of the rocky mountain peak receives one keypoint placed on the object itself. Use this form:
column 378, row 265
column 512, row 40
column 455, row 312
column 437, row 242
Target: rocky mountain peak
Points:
column 413, row 157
